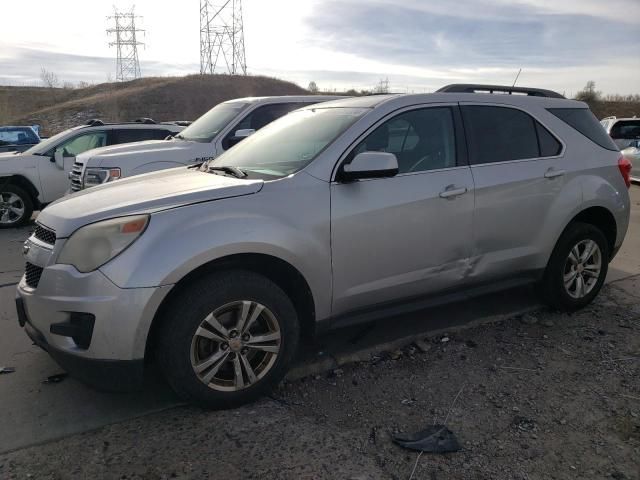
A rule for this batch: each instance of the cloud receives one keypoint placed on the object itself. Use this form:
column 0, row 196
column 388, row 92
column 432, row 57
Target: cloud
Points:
column 425, row 34
column 22, row 65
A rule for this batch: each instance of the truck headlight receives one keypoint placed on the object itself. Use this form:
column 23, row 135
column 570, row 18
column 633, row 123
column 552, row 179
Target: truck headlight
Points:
column 98, row 176
column 95, row 244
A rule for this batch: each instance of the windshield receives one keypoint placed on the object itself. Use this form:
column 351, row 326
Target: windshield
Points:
column 209, row 125
column 290, row 143
column 49, row 143
column 17, row 136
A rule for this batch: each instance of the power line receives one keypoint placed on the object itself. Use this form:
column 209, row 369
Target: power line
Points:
column 127, row 63
column 222, row 37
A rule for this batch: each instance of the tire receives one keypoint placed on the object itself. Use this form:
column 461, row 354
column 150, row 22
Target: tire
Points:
column 569, row 297
column 190, row 337
column 14, row 198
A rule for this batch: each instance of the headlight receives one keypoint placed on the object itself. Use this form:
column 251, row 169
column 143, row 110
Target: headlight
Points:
column 94, row 245
column 98, row 176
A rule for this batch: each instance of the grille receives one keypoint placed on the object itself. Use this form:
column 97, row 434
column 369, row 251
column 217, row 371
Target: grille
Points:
column 33, row 274
column 44, row 234
column 76, row 177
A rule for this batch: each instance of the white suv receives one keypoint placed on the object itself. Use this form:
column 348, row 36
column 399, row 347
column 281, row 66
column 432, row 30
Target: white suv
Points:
column 215, row 132
column 38, row 176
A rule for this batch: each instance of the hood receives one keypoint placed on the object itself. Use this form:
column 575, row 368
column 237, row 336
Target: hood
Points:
column 178, row 150
column 8, row 155
column 147, row 193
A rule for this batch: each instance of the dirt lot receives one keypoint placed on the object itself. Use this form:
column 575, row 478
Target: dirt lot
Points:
column 545, row 396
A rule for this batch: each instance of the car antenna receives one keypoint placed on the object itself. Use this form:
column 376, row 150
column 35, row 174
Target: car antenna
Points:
column 514, row 82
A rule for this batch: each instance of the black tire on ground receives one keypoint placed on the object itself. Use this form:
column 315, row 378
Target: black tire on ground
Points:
column 192, row 305
column 552, row 285
column 26, row 200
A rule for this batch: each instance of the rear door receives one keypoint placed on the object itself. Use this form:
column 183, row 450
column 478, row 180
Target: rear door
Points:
column 518, row 171
column 411, row 234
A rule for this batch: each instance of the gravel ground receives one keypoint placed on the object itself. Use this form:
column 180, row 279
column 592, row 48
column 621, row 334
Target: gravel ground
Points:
column 544, row 396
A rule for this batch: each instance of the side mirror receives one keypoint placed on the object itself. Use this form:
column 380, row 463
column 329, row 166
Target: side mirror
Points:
column 238, row 136
column 244, row 133
column 370, row 165
column 58, row 157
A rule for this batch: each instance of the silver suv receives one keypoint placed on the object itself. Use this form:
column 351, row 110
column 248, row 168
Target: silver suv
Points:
column 336, row 213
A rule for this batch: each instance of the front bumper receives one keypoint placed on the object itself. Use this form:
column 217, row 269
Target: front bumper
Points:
column 113, row 357
column 110, row 375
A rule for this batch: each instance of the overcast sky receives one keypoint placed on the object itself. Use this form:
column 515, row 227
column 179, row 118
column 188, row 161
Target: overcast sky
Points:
column 419, row 45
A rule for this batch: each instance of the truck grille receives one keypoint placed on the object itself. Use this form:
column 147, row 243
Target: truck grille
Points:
column 44, row 234
column 76, row 177
column 33, row 274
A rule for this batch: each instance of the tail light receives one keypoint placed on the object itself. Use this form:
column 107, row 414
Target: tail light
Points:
column 624, row 164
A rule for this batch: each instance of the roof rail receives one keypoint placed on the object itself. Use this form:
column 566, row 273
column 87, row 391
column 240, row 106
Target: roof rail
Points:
column 95, row 122
column 472, row 88
column 145, row 120
column 180, row 123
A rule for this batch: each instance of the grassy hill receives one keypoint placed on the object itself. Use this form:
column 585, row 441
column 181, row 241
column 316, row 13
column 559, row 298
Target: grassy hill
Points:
column 172, row 98
column 163, row 98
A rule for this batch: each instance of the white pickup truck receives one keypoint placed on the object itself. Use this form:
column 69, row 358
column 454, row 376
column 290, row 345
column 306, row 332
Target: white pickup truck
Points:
column 216, row 131
column 31, row 179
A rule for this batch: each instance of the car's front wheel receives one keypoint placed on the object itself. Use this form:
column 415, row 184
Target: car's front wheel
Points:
column 227, row 339
column 577, row 268
column 16, row 206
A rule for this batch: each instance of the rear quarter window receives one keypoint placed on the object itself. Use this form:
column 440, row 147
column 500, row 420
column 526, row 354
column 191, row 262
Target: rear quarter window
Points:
column 585, row 122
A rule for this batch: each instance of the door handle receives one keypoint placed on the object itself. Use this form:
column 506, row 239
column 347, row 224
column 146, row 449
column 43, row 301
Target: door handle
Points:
column 553, row 173
column 453, row 192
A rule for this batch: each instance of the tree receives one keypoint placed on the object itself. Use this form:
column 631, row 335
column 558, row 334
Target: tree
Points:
column 313, row 88
column 588, row 93
column 49, row 79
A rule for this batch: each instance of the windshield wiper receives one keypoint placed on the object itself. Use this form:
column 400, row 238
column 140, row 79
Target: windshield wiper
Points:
column 233, row 171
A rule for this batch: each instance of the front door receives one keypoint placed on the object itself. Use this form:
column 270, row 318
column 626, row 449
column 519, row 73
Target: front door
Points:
column 55, row 181
column 407, row 235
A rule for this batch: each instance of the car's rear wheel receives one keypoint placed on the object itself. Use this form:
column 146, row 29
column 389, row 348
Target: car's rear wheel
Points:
column 227, row 339
column 16, row 206
column 577, row 268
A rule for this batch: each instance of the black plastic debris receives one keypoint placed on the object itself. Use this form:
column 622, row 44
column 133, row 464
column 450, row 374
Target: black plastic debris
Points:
column 7, row 370
column 57, row 378
column 433, row 439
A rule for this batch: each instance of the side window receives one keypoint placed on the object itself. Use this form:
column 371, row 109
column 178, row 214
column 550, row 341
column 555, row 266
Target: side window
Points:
column 137, row 135
column 549, row 146
column 499, row 134
column 421, row 140
column 82, row 143
column 260, row 117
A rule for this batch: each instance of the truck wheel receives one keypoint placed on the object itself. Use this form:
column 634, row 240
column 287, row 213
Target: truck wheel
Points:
column 227, row 338
column 16, row 206
column 577, row 268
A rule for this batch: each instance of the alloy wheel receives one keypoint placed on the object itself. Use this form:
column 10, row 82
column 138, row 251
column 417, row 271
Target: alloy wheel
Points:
column 582, row 268
column 11, row 208
column 235, row 346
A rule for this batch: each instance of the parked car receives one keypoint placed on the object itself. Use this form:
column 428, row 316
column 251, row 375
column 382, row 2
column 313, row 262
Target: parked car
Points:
column 39, row 175
column 216, row 131
column 623, row 131
column 337, row 213
column 17, row 139
column 632, row 152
